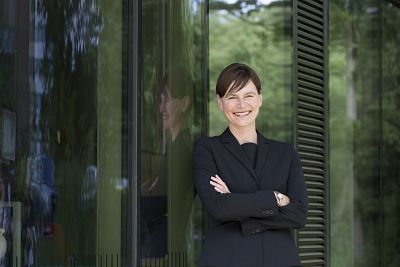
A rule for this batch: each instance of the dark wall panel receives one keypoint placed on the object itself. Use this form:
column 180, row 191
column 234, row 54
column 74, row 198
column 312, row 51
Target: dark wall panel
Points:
column 311, row 121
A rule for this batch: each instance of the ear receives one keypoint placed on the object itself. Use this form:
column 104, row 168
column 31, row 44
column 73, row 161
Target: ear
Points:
column 185, row 103
column 219, row 102
column 261, row 99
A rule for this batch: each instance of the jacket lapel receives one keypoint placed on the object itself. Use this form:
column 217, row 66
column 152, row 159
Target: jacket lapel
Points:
column 233, row 146
column 264, row 147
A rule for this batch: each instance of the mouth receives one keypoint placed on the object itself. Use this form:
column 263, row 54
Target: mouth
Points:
column 165, row 118
column 242, row 114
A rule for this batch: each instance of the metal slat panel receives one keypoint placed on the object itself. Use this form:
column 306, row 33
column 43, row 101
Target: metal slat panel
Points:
column 311, row 156
column 309, row 71
column 310, row 118
column 311, row 128
column 311, row 30
column 304, row 55
column 309, row 89
column 313, row 9
column 309, row 64
column 305, row 22
column 311, row 52
column 311, row 113
column 313, row 149
column 317, row 44
column 309, row 37
column 310, row 134
column 313, row 121
column 311, row 99
column 310, row 16
column 309, row 141
column 315, row 181
column 317, row 4
column 311, row 105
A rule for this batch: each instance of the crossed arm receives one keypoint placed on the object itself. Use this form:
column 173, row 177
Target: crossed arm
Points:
column 220, row 186
column 257, row 211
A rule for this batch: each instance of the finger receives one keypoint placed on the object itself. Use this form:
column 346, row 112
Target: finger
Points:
column 220, row 187
column 219, row 190
column 217, row 179
column 215, row 184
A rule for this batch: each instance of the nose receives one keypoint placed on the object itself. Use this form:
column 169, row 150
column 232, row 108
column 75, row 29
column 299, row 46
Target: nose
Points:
column 240, row 102
column 162, row 107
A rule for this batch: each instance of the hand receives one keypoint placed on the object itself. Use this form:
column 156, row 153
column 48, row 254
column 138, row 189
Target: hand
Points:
column 281, row 199
column 219, row 185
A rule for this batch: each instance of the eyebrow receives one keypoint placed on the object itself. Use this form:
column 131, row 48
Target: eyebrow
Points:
column 234, row 94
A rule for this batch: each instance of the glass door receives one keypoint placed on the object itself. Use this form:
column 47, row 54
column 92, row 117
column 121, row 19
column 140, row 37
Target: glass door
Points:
column 173, row 104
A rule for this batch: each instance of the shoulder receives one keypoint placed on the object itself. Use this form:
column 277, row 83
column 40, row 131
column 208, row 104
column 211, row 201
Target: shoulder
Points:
column 281, row 144
column 206, row 141
column 278, row 145
column 204, row 149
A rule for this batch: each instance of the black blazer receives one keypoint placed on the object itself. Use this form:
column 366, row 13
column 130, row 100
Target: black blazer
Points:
column 246, row 228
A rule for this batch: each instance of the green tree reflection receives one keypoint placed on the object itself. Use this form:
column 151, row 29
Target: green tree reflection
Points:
column 65, row 37
column 257, row 33
column 364, row 102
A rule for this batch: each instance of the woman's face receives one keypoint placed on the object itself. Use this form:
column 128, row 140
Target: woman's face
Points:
column 241, row 108
column 172, row 110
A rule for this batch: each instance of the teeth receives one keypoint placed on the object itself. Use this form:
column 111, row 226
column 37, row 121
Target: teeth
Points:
column 242, row 113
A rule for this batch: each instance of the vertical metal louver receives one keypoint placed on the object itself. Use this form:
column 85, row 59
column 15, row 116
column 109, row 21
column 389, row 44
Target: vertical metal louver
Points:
column 311, row 121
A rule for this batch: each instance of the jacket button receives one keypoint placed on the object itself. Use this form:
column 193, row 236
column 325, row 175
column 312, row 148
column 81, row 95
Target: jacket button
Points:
column 271, row 212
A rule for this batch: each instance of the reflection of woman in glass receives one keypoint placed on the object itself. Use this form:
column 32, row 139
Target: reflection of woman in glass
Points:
column 167, row 198
column 252, row 187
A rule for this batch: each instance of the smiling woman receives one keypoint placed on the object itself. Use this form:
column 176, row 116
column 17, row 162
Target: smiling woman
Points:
column 252, row 203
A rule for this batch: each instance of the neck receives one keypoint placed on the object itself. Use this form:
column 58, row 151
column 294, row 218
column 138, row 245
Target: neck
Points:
column 176, row 130
column 244, row 135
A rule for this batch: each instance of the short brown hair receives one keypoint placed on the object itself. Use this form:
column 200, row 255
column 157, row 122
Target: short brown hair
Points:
column 234, row 77
column 178, row 82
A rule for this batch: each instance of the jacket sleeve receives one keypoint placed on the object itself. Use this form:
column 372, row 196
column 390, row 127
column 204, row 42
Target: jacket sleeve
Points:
column 232, row 206
column 291, row 216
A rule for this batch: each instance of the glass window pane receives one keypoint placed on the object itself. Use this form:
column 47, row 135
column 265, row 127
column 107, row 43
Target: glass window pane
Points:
column 173, row 76
column 364, row 107
column 391, row 132
column 61, row 109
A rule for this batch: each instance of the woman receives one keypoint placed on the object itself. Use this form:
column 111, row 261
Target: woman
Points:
column 166, row 198
column 252, row 187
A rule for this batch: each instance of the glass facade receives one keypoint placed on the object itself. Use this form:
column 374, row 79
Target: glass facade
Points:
column 364, row 132
column 64, row 77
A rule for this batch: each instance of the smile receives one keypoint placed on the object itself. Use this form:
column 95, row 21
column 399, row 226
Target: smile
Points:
column 242, row 114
